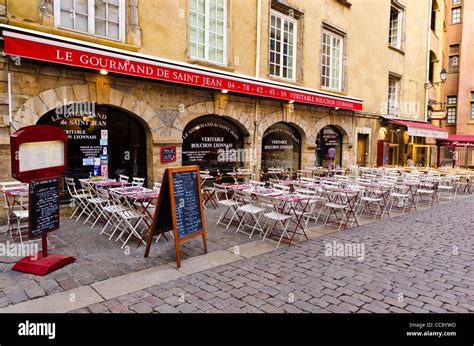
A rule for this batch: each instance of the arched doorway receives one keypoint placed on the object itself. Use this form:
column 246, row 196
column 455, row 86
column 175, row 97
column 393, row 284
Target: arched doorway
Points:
column 102, row 140
column 214, row 143
column 329, row 137
column 281, row 147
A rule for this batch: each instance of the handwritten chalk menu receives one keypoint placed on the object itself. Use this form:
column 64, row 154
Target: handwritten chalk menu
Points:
column 179, row 209
column 168, row 154
column 187, row 203
column 44, row 206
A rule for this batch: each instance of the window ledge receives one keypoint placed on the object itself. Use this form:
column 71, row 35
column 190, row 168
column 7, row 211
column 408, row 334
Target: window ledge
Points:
column 401, row 51
column 207, row 63
column 345, row 3
column 283, row 80
column 333, row 91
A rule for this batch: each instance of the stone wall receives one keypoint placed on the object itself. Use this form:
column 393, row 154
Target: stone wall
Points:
column 164, row 110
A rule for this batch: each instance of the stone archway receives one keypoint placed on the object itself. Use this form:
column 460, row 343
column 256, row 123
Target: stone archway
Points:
column 38, row 105
column 341, row 124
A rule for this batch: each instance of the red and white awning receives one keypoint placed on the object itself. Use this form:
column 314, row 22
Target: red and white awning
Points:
column 457, row 140
column 421, row 129
column 57, row 49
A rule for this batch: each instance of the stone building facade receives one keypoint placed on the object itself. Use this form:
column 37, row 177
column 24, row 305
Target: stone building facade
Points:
column 162, row 29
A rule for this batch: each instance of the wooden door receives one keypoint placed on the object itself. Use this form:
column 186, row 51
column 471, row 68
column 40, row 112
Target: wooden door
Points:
column 362, row 149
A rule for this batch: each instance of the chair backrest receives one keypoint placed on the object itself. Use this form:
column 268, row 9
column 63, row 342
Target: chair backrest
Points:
column 220, row 189
column 257, row 183
column 123, row 178
column 156, row 186
column 138, row 181
column 281, row 187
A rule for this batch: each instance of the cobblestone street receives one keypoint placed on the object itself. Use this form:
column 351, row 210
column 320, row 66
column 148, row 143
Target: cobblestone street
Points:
column 98, row 258
column 418, row 262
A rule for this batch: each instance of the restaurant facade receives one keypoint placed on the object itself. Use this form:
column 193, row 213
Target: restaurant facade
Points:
column 136, row 105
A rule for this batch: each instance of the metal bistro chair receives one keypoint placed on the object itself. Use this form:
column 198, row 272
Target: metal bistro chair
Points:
column 123, row 179
column 250, row 209
column 279, row 217
column 230, row 205
column 138, row 181
column 78, row 196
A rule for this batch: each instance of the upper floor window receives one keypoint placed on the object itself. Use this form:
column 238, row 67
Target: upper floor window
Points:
column 105, row 18
column 471, row 113
column 396, row 26
column 456, row 15
column 451, row 115
column 393, row 95
column 207, row 30
column 452, row 100
column 331, row 61
column 282, row 47
column 456, row 2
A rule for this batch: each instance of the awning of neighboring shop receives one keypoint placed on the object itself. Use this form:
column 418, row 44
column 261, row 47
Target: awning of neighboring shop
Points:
column 36, row 45
column 457, row 140
column 420, row 129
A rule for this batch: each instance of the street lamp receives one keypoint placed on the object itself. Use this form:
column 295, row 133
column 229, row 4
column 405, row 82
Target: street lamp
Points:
column 443, row 75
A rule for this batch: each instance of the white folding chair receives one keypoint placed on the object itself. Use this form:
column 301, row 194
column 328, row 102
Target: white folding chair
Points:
column 280, row 219
column 78, row 197
column 123, row 179
column 230, row 205
column 249, row 209
column 138, row 181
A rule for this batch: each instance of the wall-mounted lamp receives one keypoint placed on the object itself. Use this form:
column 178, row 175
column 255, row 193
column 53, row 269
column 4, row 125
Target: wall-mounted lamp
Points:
column 104, row 72
column 224, row 91
column 384, row 130
column 443, row 75
column 291, row 102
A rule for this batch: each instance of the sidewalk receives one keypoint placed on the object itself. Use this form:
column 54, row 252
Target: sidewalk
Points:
column 410, row 255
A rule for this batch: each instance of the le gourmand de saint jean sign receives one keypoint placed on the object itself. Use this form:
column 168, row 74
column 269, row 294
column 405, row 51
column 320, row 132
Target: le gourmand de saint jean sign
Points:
column 68, row 54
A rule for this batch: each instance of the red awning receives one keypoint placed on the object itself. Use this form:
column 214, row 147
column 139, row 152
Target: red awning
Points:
column 36, row 45
column 457, row 140
column 422, row 129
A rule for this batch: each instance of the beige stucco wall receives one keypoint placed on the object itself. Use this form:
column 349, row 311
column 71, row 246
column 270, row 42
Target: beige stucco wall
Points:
column 162, row 31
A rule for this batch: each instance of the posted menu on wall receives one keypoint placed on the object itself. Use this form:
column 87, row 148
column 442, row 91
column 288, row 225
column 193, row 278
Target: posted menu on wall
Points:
column 187, row 203
column 44, row 206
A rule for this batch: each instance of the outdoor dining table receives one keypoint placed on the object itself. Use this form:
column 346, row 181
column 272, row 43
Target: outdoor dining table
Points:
column 105, row 183
column 289, row 203
column 346, row 197
column 144, row 199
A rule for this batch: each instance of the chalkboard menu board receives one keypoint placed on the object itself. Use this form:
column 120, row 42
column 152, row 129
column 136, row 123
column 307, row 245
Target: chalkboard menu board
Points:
column 179, row 208
column 187, row 203
column 168, row 154
column 43, row 206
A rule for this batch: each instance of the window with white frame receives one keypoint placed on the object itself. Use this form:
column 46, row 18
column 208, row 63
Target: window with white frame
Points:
column 395, row 29
column 452, row 100
column 282, row 49
column 456, row 2
column 456, row 15
column 393, row 95
column 471, row 113
column 451, row 115
column 331, row 61
column 105, row 18
column 207, row 30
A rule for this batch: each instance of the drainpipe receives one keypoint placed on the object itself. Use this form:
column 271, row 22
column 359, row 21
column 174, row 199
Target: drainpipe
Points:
column 257, row 51
column 10, row 113
column 257, row 75
column 428, row 42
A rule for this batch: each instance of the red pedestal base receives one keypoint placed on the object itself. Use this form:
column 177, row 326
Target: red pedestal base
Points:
column 42, row 265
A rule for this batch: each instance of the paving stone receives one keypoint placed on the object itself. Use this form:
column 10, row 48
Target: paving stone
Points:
column 141, row 308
